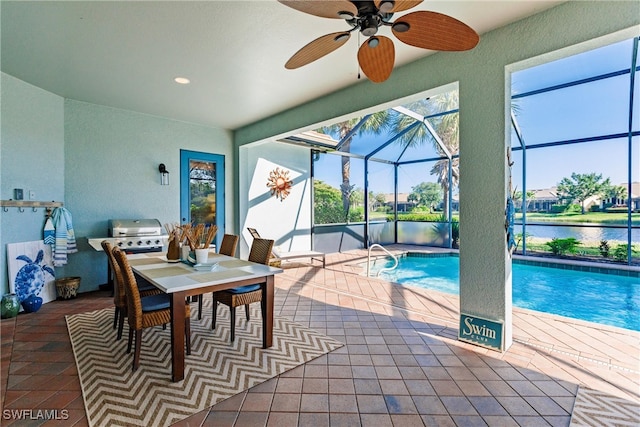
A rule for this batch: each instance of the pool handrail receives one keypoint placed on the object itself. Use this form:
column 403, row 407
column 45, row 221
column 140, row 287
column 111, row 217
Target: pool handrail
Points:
column 395, row 259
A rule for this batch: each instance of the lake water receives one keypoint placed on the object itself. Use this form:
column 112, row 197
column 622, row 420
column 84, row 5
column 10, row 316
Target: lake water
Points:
column 583, row 233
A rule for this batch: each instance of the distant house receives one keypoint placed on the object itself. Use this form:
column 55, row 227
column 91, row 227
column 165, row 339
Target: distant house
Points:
column 544, row 199
column 635, row 198
column 541, row 201
column 404, row 205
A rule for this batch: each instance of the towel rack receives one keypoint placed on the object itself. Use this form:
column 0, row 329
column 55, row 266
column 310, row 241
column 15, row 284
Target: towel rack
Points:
column 21, row 204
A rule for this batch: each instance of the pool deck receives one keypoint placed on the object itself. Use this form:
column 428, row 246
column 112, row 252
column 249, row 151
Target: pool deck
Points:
column 599, row 359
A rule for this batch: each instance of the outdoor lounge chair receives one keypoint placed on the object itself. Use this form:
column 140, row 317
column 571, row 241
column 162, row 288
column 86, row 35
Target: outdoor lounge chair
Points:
column 280, row 255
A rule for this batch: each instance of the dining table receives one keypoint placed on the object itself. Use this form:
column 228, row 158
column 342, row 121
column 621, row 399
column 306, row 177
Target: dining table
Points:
column 184, row 279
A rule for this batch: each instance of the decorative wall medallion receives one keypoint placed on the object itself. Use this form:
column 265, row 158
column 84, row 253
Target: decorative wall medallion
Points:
column 279, row 183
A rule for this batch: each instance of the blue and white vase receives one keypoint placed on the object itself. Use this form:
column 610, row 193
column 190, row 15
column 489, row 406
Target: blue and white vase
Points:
column 32, row 304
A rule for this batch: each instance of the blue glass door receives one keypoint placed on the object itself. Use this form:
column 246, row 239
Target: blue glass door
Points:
column 202, row 190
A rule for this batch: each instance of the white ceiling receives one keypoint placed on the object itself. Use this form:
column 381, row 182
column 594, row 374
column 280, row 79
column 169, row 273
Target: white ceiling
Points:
column 126, row 54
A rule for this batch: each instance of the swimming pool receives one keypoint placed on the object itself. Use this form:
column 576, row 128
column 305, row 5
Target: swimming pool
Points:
column 596, row 297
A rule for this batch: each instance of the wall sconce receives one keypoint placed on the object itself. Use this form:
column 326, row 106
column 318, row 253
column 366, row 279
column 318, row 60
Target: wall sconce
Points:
column 164, row 174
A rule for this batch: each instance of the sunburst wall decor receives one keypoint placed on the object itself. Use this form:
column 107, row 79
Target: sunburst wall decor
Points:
column 279, row 183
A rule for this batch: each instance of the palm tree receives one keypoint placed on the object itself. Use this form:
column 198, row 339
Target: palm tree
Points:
column 374, row 124
column 517, row 197
column 617, row 193
column 446, row 126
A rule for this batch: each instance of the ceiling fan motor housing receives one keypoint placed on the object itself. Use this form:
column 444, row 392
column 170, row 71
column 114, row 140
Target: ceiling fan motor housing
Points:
column 369, row 25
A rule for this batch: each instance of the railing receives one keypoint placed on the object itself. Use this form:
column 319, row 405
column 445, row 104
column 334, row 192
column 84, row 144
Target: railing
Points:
column 395, row 259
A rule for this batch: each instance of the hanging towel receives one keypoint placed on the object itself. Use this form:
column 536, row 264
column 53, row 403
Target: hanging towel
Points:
column 49, row 232
column 65, row 237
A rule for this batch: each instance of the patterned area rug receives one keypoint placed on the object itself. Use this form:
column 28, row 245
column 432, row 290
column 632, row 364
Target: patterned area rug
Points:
column 216, row 369
column 594, row 408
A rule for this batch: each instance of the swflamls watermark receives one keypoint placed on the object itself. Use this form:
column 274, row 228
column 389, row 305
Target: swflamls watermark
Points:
column 35, row 414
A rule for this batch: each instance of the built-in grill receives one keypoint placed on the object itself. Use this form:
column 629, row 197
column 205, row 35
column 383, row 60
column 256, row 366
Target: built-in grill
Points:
column 136, row 235
column 132, row 236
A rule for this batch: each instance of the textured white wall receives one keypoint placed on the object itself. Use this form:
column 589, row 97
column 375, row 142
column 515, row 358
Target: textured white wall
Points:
column 288, row 222
column 31, row 158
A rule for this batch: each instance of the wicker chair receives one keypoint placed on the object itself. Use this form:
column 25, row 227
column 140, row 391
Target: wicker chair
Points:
column 119, row 296
column 227, row 247
column 146, row 312
column 244, row 295
column 229, row 244
column 274, row 260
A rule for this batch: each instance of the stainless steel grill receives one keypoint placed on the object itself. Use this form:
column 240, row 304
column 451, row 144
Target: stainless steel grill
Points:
column 137, row 235
column 134, row 235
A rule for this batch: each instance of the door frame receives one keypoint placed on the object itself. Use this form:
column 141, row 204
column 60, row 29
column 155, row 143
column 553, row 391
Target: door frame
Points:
column 185, row 157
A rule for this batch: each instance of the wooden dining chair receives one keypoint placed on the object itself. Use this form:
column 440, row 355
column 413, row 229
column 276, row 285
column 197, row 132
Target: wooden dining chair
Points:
column 119, row 296
column 227, row 247
column 146, row 312
column 244, row 295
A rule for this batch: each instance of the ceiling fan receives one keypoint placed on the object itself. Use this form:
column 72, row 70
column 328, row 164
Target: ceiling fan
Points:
column 376, row 56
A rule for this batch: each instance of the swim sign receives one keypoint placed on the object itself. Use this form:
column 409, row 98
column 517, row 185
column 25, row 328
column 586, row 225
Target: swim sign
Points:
column 483, row 332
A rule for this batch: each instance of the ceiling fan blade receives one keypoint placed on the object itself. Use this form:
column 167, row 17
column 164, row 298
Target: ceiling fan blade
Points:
column 398, row 5
column 317, row 49
column 435, row 31
column 323, row 9
column 376, row 59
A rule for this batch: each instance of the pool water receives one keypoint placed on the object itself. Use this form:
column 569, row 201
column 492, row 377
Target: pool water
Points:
column 595, row 297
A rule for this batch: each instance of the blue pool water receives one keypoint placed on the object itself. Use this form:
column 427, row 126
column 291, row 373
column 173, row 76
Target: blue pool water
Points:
column 596, row 297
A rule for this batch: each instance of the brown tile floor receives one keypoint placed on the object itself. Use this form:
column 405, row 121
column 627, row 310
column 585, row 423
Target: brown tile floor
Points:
column 401, row 364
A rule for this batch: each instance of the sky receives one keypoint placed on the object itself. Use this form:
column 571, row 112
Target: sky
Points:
column 595, row 108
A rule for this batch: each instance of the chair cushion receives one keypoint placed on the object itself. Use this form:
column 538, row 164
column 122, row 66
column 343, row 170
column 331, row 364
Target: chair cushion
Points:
column 243, row 289
column 146, row 287
column 155, row 302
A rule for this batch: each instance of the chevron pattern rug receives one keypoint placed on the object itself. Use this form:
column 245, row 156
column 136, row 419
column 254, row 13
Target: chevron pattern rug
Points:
column 216, row 369
column 594, row 408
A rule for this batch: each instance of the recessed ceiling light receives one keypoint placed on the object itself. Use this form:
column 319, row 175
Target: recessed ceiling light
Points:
column 182, row 80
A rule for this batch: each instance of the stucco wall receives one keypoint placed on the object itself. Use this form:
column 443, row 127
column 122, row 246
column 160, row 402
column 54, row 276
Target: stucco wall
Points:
column 286, row 221
column 101, row 162
column 111, row 171
column 31, row 158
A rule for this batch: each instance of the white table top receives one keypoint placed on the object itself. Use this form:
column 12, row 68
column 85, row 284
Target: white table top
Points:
column 179, row 276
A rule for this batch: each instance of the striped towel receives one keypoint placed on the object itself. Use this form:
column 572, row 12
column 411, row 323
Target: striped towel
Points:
column 49, row 233
column 65, row 237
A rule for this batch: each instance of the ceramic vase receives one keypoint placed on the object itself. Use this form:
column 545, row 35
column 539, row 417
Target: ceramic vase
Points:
column 32, row 304
column 10, row 306
column 173, row 251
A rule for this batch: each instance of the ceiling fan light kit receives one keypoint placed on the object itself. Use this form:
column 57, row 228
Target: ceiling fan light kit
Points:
column 376, row 56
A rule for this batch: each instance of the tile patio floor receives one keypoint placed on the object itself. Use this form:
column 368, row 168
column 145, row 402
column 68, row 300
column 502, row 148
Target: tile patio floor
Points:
column 401, row 365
